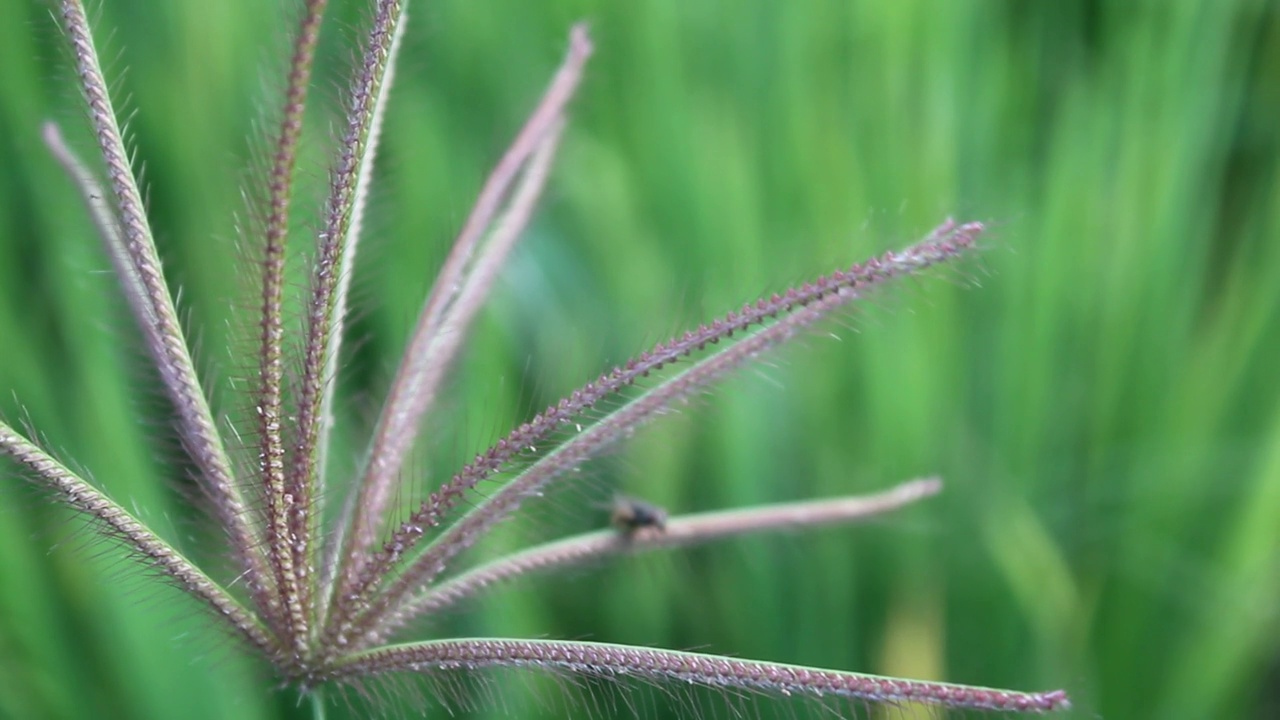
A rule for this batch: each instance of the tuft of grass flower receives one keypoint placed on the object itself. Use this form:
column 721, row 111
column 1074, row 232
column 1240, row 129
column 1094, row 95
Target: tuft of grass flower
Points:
column 331, row 605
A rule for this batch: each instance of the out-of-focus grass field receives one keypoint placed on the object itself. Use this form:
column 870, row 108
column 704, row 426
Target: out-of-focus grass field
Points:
column 1104, row 405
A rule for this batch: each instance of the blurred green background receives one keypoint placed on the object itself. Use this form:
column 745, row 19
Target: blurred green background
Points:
column 1099, row 388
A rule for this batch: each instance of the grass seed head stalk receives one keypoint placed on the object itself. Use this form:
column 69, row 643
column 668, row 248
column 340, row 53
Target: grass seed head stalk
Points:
column 334, row 625
column 286, row 540
column 462, row 284
column 158, row 318
column 794, row 309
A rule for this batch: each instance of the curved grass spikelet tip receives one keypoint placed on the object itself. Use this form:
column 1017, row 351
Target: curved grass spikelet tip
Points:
column 606, row 660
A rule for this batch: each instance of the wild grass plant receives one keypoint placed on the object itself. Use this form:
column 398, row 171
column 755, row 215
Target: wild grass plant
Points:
column 1102, row 408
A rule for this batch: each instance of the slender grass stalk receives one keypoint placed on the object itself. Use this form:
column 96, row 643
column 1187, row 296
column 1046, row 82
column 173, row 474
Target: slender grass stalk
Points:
column 463, row 282
column 505, row 233
column 806, row 305
column 104, row 220
column 606, row 660
column 337, row 244
column 287, row 496
column 112, row 520
column 679, row 531
column 160, row 327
